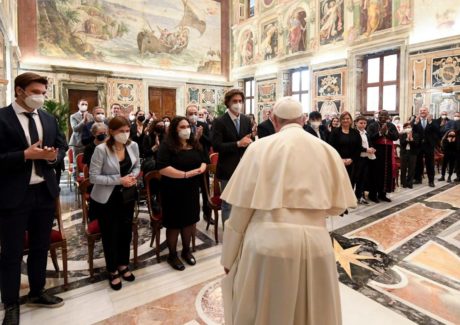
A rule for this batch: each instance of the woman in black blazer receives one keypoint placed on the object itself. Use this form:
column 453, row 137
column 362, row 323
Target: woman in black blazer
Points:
column 347, row 141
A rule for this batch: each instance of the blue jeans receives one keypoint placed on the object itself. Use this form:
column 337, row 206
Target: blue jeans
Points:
column 226, row 208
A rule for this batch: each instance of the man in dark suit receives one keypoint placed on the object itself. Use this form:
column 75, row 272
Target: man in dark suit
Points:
column 428, row 132
column 315, row 127
column 30, row 145
column 231, row 135
column 200, row 131
column 266, row 128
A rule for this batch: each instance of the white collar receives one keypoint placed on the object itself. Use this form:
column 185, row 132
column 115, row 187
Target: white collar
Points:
column 233, row 116
column 291, row 125
column 20, row 110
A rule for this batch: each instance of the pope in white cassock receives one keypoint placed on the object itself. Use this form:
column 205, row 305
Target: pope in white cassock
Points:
column 277, row 250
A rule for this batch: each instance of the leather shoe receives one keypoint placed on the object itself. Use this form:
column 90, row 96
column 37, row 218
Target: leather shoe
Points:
column 175, row 263
column 431, row 184
column 188, row 257
column 44, row 300
column 441, row 179
column 417, row 181
column 11, row 314
column 114, row 286
column 384, row 198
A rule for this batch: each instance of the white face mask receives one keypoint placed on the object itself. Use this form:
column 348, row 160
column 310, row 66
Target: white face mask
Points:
column 456, row 118
column 408, row 130
column 193, row 118
column 236, row 108
column 167, row 124
column 83, row 107
column 315, row 124
column 184, row 134
column 122, row 137
column 201, row 119
column 35, row 101
column 100, row 117
column 132, row 117
column 443, row 116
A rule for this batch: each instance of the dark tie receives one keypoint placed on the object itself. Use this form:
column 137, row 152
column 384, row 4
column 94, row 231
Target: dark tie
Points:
column 34, row 139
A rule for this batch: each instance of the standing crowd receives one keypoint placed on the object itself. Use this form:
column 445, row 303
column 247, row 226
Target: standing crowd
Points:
column 119, row 149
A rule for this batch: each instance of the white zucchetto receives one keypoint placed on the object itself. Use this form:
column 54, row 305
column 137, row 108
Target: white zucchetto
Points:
column 288, row 108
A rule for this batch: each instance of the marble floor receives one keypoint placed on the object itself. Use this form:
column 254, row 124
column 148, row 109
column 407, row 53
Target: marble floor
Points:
column 398, row 263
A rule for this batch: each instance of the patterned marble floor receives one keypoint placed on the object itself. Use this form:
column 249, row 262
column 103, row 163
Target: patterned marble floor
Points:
column 398, row 263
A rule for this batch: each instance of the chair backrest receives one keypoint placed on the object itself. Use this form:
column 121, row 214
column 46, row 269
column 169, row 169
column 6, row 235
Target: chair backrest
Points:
column 214, row 189
column 58, row 215
column 84, row 187
column 70, row 157
column 213, row 158
column 86, row 171
column 148, row 178
column 80, row 164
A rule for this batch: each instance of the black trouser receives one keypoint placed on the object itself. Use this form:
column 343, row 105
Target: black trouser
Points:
column 448, row 160
column 428, row 154
column 360, row 172
column 35, row 214
column 408, row 161
column 206, row 209
column 115, row 220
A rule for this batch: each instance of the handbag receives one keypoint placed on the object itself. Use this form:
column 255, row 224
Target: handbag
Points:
column 148, row 164
column 129, row 194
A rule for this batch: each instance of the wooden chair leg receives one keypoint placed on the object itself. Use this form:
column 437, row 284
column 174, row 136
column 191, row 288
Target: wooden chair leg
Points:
column 54, row 259
column 90, row 256
column 64, row 264
column 216, row 226
column 152, row 225
column 157, row 241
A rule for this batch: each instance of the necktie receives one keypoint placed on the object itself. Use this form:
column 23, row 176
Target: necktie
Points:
column 33, row 132
column 237, row 125
column 424, row 123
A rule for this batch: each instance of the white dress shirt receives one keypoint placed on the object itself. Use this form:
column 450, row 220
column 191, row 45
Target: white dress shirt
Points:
column 24, row 121
column 234, row 117
column 364, row 142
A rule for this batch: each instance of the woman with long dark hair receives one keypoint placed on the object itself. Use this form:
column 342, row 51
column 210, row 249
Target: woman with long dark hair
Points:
column 114, row 168
column 137, row 130
column 181, row 162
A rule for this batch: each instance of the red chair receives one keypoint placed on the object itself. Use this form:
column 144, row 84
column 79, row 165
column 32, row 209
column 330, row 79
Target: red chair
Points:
column 80, row 176
column 214, row 200
column 57, row 240
column 156, row 217
column 214, row 158
column 92, row 230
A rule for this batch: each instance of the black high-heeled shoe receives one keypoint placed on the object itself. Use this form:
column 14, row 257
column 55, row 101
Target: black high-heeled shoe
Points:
column 129, row 278
column 112, row 277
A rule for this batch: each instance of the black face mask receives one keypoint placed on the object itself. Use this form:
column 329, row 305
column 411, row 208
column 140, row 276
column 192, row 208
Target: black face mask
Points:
column 101, row 137
column 141, row 118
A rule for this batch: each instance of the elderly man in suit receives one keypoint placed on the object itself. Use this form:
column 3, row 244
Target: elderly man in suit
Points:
column 230, row 138
column 30, row 146
column 428, row 131
column 78, row 121
column 266, row 128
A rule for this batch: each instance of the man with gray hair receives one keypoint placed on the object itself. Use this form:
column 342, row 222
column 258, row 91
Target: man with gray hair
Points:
column 266, row 128
column 277, row 251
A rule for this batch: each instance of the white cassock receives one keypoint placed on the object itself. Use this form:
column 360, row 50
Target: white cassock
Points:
column 276, row 245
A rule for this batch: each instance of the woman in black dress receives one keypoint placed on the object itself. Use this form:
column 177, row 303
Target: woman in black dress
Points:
column 137, row 130
column 181, row 162
column 347, row 142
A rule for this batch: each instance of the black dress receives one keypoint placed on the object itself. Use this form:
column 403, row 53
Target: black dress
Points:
column 180, row 197
column 348, row 145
